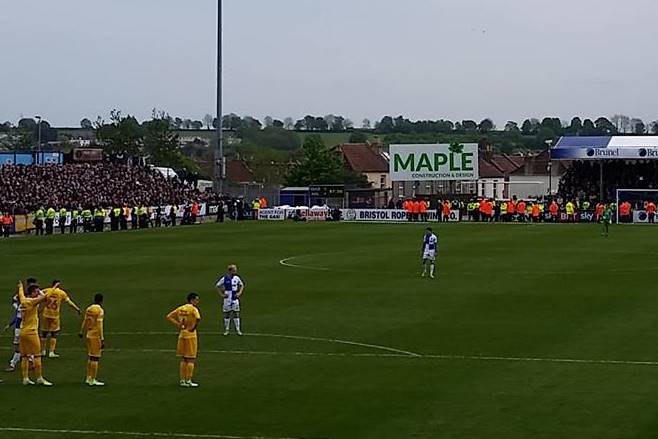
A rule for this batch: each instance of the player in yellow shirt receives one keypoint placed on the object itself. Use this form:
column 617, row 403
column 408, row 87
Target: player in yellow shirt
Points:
column 92, row 327
column 50, row 321
column 186, row 318
column 28, row 342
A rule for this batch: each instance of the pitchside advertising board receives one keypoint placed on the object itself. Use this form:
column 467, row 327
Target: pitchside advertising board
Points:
column 389, row 215
column 434, row 162
column 271, row 214
column 320, row 214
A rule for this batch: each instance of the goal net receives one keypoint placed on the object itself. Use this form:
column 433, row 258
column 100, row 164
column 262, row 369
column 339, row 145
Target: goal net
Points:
column 639, row 200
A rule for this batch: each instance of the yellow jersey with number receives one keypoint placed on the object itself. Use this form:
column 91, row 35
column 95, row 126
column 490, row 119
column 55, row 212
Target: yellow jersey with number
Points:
column 30, row 312
column 53, row 303
column 188, row 317
column 94, row 316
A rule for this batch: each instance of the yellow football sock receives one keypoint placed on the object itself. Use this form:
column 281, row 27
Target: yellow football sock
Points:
column 25, row 367
column 43, row 344
column 190, row 371
column 38, row 369
column 52, row 344
column 93, row 369
column 183, row 370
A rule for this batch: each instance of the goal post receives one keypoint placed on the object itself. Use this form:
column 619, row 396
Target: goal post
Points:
column 637, row 198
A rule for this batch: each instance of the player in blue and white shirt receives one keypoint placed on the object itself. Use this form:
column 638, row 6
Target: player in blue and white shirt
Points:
column 230, row 288
column 430, row 248
column 16, row 324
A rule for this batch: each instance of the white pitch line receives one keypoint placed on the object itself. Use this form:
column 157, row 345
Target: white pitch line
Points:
column 135, row 433
column 418, row 357
column 345, row 342
column 299, row 337
column 285, row 263
column 235, row 352
column 393, row 352
column 541, row 360
column 291, row 337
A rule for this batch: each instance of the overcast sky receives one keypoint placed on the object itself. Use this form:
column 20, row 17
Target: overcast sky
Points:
column 455, row 59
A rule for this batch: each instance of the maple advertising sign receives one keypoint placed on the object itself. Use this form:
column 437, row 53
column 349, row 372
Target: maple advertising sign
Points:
column 434, row 162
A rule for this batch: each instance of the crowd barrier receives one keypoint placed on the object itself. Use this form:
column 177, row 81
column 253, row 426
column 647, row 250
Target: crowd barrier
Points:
column 25, row 223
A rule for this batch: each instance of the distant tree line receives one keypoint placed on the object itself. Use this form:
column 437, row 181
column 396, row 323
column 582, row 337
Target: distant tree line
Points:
column 24, row 136
column 125, row 131
column 545, row 127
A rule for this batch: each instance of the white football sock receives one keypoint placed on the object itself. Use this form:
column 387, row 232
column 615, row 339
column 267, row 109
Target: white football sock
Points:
column 16, row 359
column 227, row 324
column 236, row 322
column 432, row 270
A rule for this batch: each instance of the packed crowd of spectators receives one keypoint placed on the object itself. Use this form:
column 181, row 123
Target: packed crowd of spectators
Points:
column 24, row 189
column 583, row 178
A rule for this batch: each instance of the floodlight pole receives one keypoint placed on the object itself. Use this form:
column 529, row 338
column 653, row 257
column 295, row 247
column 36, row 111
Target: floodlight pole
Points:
column 549, row 167
column 38, row 118
column 220, row 164
column 550, row 174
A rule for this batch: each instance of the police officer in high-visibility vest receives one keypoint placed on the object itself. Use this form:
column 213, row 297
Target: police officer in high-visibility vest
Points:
column 50, row 220
column 134, row 215
column 256, row 208
column 115, row 217
column 571, row 212
column 62, row 220
column 472, row 210
column 143, row 217
column 585, row 205
column 39, row 217
column 86, row 220
column 75, row 220
column 503, row 211
column 99, row 219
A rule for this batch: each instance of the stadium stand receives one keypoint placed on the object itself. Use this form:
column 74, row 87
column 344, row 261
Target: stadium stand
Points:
column 582, row 179
column 26, row 188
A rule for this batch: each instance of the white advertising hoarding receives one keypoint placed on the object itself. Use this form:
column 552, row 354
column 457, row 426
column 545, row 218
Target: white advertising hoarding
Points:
column 434, row 162
column 390, row 215
column 271, row 214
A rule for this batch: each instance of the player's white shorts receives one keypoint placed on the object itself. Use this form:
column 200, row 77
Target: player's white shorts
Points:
column 17, row 334
column 429, row 254
column 231, row 305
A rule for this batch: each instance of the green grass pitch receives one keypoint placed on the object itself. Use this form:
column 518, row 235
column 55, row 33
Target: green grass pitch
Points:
column 374, row 351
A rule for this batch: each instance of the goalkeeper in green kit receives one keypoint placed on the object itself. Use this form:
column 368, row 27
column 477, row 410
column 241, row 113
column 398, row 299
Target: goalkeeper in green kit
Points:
column 606, row 219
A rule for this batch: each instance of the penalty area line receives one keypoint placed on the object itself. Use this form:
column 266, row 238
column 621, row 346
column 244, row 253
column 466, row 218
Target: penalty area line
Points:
column 135, row 433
